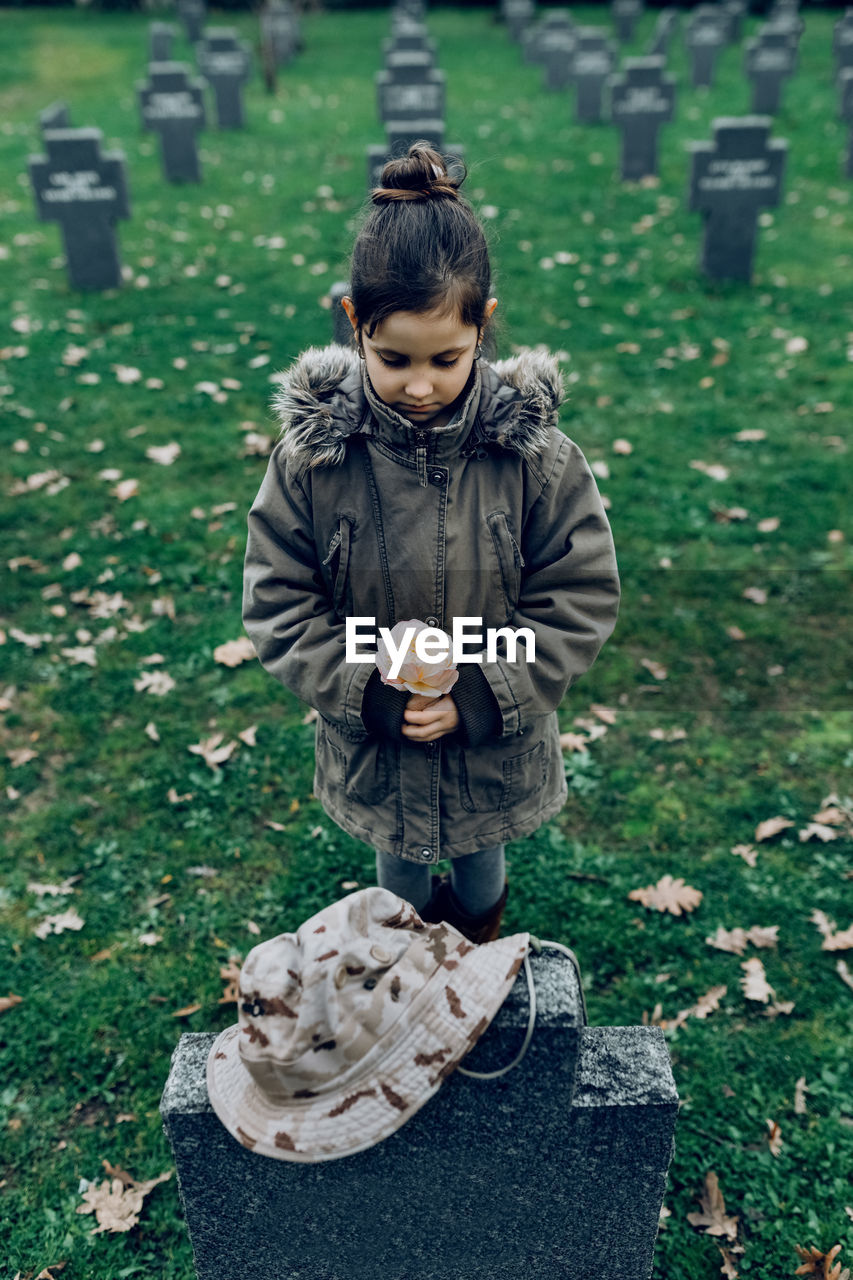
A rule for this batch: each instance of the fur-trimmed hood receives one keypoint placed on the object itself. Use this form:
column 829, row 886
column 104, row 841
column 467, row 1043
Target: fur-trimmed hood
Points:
column 322, row 400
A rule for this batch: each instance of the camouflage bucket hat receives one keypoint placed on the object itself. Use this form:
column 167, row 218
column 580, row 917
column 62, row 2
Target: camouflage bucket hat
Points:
column 348, row 1026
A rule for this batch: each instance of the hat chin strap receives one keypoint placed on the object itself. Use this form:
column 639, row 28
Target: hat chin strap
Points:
column 537, row 946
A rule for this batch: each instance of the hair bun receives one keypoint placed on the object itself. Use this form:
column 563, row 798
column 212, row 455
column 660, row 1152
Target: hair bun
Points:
column 419, row 175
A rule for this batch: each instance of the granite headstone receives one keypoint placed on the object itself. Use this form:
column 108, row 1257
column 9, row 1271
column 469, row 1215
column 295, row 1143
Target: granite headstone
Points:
column 556, row 55
column 560, row 1161
column 225, row 61
column 172, row 105
column 193, row 14
column 593, row 61
column 160, row 38
column 280, row 33
column 536, row 36
column 626, row 15
column 518, row 15
column 705, row 36
column 845, row 87
column 731, row 180
column 85, row 190
column 662, row 33
column 842, row 41
column 56, row 116
column 642, row 98
column 771, row 58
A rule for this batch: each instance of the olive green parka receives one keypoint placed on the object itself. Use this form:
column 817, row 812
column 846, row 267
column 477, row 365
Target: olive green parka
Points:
column 496, row 517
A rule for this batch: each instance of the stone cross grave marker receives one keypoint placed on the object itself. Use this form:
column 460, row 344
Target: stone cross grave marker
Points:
column 56, row 116
column 225, row 62
column 736, row 11
column 535, row 38
column 592, row 66
column 845, row 85
column 193, row 14
column 561, row 1160
column 557, row 50
column 642, row 98
column 664, row 29
column 731, row 180
column 787, row 16
column 280, row 31
column 410, row 88
column 842, row 41
column 85, row 190
column 410, row 37
column 518, row 15
column 160, row 38
column 771, row 57
column 705, row 36
column 172, row 105
column 626, row 15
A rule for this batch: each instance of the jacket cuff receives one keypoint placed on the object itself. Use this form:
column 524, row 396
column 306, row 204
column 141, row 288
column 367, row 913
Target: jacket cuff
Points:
column 382, row 709
column 478, row 707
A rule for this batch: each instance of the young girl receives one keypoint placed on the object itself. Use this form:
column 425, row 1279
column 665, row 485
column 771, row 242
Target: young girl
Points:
column 414, row 480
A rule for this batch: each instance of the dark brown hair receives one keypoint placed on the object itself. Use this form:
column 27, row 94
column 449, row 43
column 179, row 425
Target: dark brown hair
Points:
column 421, row 247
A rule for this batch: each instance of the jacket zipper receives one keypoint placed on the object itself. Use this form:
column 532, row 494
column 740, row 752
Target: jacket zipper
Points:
column 421, row 458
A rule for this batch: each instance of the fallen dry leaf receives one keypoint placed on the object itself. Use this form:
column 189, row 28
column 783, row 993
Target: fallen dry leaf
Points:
column 832, row 941
column 654, row 668
column 800, row 1091
column 164, row 454
column 729, row 1269
column 117, row 1207
column 818, row 831
column 233, row 652
column 746, row 851
column 230, row 975
column 9, row 1002
column 754, row 981
column 186, row 1011
column 154, row 682
column 817, row 1263
column 59, row 923
column 211, row 752
column 771, row 827
column 249, row 735
column 844, row 973
column 573, row 742
column 713, row 1219
column 774, row 1137
column 756, row 594
column 669, row 895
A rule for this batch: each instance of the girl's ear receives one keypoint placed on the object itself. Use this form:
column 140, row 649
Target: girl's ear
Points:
column 348, row 307
column 488, row 312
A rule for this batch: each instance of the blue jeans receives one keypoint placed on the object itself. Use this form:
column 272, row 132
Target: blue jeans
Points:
column 477, row 879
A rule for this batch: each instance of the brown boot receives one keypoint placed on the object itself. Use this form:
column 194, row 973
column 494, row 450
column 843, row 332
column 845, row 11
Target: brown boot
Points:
column 445, row 906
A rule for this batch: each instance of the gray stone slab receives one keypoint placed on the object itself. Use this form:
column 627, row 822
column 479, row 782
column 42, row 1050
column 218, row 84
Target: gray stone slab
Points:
column 225, row 61
column 706, row 35
column 731, row 180
column 280, row 31
column 557, row 53
column 171, row 104
column 842, row 41
column 56, row 116
column 85, row 190
column 161, row 36
column 560, row 1162
column 593, row 63
column 771, row 59
column 665, row 27
column 626, row 15
column 193, row 14
column 518, row 15
column 536, row 37
column 642, row 98
column 845, row 86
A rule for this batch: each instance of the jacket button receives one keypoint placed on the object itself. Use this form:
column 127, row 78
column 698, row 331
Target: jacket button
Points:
column 437, row 477
column 426, row 855
column 380, row 955
column 432, row 620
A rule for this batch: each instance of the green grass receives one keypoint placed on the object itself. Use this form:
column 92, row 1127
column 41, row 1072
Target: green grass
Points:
column 656, row 355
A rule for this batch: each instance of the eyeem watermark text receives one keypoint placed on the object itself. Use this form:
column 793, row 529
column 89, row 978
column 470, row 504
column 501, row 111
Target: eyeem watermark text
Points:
column 432, row 645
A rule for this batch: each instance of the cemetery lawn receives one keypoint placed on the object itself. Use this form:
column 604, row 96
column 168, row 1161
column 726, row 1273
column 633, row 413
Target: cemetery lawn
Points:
column 717, row 419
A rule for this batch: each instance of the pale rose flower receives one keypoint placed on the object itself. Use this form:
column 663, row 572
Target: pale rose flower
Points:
column 429, row 679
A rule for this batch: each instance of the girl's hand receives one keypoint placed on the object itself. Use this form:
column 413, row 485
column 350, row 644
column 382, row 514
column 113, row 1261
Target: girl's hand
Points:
column 426, row 719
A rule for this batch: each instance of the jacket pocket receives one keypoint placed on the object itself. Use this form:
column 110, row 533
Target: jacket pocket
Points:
column 509, row 557
column 337, row 562
column 364, row 770
column 488, row 782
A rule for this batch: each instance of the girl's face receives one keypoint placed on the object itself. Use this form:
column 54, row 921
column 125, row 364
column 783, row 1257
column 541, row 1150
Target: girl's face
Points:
column 419, row 362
